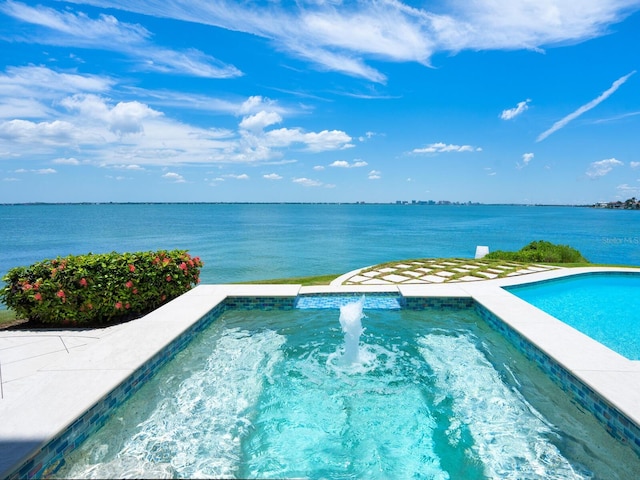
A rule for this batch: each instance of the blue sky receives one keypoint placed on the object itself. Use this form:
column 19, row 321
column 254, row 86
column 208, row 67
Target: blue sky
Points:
column 494, row 101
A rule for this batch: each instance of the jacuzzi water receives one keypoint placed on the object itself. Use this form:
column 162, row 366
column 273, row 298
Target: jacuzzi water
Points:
column 604, row 306
column 272, row 394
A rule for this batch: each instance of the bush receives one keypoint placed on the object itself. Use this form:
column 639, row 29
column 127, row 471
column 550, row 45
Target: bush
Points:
column 98, row 289
column 541, row 252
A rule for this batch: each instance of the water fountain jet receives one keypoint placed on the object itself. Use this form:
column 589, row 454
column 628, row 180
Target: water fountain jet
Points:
column 350, row 321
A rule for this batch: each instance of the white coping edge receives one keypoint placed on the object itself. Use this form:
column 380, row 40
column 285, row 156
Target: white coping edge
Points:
column 89, row 374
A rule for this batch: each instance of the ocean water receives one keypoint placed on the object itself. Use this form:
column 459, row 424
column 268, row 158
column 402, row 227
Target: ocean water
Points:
column 241, row 242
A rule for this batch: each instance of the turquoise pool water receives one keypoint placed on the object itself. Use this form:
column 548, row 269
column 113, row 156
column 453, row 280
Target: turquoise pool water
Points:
column 604, row 306
column 266, row 394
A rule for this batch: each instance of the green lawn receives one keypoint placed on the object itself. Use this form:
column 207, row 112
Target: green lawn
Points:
column 7, row 317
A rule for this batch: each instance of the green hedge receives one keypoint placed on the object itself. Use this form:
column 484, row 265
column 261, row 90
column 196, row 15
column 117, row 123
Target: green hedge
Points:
column 541, row 251
column 98, row 289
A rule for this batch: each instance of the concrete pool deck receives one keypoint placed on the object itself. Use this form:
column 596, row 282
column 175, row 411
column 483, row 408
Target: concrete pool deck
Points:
column 49, row 378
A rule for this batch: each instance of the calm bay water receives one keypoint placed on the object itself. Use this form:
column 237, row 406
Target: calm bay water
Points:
column 241, row 242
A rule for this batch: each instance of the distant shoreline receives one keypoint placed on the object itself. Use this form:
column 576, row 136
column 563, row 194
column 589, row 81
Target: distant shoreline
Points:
column 409, row 204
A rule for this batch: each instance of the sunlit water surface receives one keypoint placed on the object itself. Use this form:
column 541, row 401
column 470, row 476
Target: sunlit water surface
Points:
column 604, row 306
column 433, row 394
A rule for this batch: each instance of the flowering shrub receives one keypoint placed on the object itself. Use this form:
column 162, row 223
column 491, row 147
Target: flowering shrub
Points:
column 98, row 289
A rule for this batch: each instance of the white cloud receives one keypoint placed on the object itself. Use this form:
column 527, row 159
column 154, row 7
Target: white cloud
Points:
column 272, row 176
column 307, row 182
column 10, row 179
column 627, row 190
column 242, row 176
column 345, row 164
column 34, row 78
column 39, row 134
column 112, row 133
column 312, row 141
column 366, row 136
column 585, row 108
column 174, row 177
column 318, row 168
column 602, row 167
column 514, row 112
column 440, row 147
column 526, row 158
column 260, row 120
column 634, row 164
column 66, row 161
column 122, row 119
column 342, row 36
column 78, row 30
column 37, row 171
column 132, row 166
column 374, row 175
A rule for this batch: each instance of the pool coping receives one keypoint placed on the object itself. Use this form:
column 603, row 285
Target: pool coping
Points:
column 51, row 395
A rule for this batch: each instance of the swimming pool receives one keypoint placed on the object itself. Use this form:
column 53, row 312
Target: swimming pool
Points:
column 604, row 306
column 264, row 394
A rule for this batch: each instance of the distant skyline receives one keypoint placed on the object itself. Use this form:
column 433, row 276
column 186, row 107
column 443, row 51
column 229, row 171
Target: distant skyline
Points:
column 484, row 101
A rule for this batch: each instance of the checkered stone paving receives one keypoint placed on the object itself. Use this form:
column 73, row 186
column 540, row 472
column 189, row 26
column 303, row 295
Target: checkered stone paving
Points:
column 438, row 270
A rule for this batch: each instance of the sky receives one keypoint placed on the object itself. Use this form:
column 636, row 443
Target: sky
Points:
column 490, row 101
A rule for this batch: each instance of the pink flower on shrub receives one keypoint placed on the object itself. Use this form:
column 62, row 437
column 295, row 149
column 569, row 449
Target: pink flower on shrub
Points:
column 135, row 291
column 127, row 306
column 53, row 272
column 90, row 306
column 129, row 284
column 182, row 266
column 166, row 261
column 163, row 298
column 83, row 282
column 168, row 278
column 60, row 294
column 38, row 297
column 26, row 286
column 118, row 305
column 132, row 268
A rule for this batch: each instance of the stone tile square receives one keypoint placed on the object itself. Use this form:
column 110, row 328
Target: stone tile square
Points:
column 433, row 279
column 470, row 267
column 358, row 279
column 487, row 274
column 449, row 264
column 469, row 278
column 494, row 270
column 376, row 281
column 395, row 278
column 460, row 270
column 416, row 280
column 403, row 265
column 424, row 270
column 445, row 274
column 371, row 274
column 388, row 270
column 413, row 274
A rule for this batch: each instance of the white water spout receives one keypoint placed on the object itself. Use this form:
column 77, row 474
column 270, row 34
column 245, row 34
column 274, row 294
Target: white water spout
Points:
column 350, row 321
